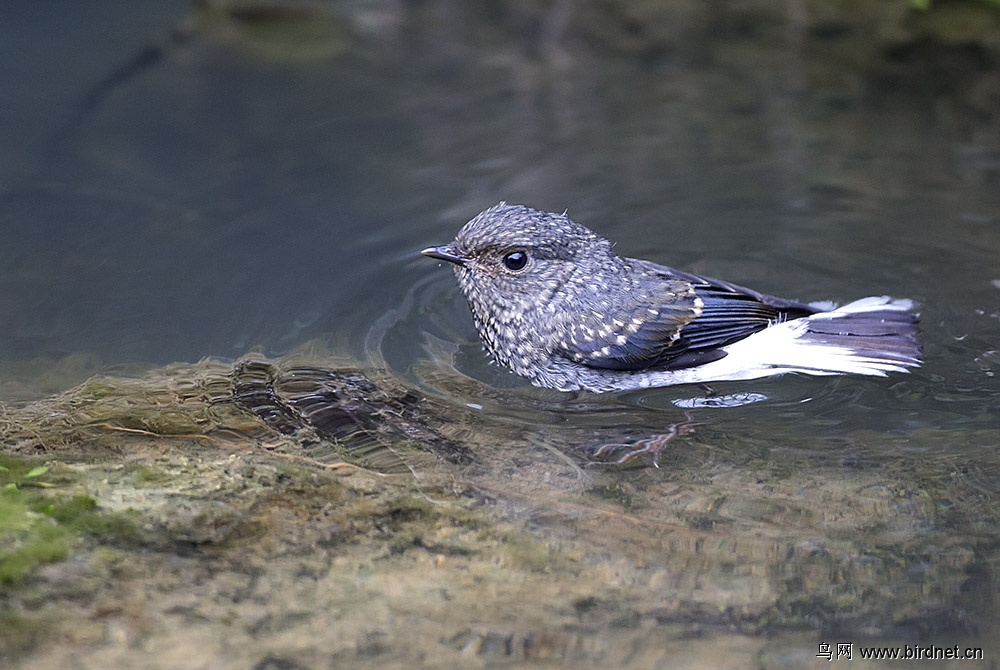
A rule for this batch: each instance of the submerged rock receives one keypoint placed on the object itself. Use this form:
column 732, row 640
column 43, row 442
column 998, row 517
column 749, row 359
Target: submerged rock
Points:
column 343, row 516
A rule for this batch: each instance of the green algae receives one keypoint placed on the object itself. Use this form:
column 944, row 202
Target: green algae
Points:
column 146, row 476
column 39, row 526
column 82, row 515
column 28, row 538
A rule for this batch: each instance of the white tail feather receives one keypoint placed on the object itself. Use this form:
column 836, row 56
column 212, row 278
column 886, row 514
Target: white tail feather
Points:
column 881, row 303
column 852, row 339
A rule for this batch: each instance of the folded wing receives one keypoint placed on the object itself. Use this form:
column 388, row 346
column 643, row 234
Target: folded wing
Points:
column 678, row 320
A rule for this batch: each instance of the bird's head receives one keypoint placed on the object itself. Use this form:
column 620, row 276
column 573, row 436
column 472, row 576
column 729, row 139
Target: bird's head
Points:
column 516, row 265
column 511, row 259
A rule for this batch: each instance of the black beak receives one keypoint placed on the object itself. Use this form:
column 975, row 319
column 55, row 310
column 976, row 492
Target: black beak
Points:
column 445, row 253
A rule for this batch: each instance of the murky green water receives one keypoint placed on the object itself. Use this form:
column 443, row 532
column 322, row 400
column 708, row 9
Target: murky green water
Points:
column 179, row 185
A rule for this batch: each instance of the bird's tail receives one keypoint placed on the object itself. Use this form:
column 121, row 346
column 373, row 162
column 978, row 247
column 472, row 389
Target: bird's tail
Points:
column 871, row 336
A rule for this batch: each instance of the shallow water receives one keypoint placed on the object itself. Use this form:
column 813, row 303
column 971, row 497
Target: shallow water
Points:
column 230, row 194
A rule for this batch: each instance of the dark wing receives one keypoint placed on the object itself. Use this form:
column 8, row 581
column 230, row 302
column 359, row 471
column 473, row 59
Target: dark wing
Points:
column 683, row 320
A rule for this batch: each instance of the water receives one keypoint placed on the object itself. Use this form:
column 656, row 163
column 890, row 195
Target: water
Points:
column 231, row 195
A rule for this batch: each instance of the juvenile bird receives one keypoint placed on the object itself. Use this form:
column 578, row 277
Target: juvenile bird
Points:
column 554, row 303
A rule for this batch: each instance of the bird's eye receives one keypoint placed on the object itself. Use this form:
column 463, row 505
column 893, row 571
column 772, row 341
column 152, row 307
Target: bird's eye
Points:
column 515, row 260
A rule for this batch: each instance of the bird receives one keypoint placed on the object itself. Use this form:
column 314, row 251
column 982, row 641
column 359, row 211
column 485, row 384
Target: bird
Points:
column 554, row 303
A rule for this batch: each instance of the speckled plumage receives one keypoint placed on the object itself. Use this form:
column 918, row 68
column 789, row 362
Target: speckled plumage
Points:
column 553, row 303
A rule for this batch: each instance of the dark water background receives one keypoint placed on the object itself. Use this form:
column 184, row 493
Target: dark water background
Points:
column 181, row 184
column 178, row 185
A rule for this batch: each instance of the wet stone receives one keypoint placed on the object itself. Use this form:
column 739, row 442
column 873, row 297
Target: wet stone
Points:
column 343, row 516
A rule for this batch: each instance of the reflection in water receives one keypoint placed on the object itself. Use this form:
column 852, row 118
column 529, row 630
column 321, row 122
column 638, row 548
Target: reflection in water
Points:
column 729, row 400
